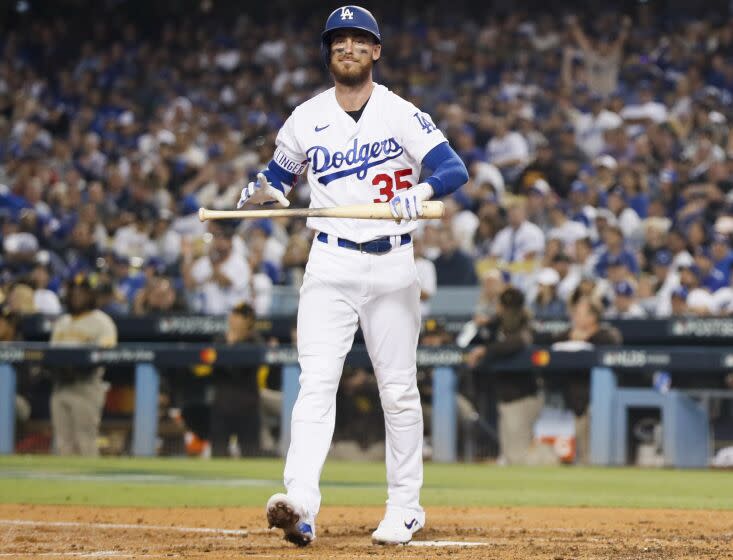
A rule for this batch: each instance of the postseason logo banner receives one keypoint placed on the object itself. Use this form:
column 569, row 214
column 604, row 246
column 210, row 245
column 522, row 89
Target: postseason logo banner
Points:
column 703, row 328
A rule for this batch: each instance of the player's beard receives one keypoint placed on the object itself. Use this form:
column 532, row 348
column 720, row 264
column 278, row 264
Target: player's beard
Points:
column 354, row 76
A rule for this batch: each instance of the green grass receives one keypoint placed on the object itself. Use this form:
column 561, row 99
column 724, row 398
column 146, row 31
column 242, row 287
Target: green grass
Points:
column 184, row 482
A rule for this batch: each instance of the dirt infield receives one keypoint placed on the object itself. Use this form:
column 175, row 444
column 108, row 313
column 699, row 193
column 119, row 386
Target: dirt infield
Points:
column 537, row 533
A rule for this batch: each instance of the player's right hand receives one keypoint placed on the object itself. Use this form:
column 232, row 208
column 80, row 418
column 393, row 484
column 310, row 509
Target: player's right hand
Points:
column 261, row 191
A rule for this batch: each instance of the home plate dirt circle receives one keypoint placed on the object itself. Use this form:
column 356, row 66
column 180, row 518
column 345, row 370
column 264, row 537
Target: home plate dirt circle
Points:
column 63, row 532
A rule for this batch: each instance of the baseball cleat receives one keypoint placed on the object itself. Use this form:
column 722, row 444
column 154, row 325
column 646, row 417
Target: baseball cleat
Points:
column 284, row 514
column 398, row 527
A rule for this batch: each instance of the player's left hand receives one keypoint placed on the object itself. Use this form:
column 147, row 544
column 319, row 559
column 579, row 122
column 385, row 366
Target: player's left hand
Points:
column 407, row 205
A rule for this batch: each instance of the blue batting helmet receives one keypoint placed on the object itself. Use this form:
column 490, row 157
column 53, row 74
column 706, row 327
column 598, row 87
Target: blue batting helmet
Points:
column 348, row 17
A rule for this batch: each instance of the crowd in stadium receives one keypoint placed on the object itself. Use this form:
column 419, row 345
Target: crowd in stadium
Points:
column 599, row 149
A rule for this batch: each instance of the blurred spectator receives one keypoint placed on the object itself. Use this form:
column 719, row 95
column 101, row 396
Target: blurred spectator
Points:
column 110, row 300
column 569, row 275
column 294, row 260
column 601, row 56
column 78, row 393
column 586, row 327
column 45, row 301
column 546, row 303
column 492, row 286
column 81, row 252
column 580, row 210
column 627, row 218
column 519, row 244
column 235, row 409
column 507, row 150
column 664, row 282
column 133, row 240
column 125, row 280
column 624, row 304
column 590, row 126
column 223, row 191
column 21, row 299
column 157, row 297
column 538, row 201
column 453, row 267
column 615, row 254
column 519, row 402
column 722, row 255
column 219, row 279
column 677, row 245
column 166, row 241
column 678, row 302
column 712, row 278
column 566, row 230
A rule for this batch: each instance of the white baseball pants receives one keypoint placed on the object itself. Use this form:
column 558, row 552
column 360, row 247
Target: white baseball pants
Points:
column 341, row 289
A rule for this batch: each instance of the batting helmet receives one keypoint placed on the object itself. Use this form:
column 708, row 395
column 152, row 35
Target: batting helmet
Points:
column 347, row 17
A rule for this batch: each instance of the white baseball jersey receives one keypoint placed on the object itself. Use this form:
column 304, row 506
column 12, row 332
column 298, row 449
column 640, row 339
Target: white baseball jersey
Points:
column 357, row 162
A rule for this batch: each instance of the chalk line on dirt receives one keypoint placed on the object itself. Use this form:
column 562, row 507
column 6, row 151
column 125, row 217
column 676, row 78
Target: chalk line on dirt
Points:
column 139, row 527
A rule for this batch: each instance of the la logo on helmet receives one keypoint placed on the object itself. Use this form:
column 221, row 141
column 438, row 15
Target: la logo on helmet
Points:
column 346, row 13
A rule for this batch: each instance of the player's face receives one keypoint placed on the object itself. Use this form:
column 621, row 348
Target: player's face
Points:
column 353, row 54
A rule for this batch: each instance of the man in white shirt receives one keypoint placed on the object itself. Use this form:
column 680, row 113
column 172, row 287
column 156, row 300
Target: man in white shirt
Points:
column 220, row 192
column 134, row 240
column 645, row 111
column 221, row 279
column 589, row 127
column 520, row 244
column 567, row 231
column 507, row 150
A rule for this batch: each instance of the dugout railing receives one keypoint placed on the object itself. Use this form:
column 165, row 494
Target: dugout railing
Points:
column 688, row 331
column 687, row 419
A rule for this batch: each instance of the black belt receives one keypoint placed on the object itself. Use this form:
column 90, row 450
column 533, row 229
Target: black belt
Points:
column 375, row 246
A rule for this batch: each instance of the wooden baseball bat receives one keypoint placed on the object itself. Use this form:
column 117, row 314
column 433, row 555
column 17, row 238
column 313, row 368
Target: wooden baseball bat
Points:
column 372, row 211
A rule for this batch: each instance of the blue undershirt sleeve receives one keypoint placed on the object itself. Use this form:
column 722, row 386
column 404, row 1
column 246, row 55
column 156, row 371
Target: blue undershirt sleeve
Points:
column 449, row 171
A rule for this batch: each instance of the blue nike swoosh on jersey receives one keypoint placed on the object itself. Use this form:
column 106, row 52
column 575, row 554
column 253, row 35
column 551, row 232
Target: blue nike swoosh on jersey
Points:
column 409, row 526
column 319, row 128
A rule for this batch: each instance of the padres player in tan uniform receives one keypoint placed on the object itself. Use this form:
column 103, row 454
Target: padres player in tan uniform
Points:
column 78, row 393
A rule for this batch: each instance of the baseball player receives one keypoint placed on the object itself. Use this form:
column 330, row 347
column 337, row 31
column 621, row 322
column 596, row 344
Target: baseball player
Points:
column 77, row 398
column 358, row 143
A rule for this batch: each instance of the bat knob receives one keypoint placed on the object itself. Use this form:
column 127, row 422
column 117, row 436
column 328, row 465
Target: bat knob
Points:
column 202, row 214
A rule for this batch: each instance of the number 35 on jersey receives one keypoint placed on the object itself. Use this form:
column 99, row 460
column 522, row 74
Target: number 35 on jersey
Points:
column 390, row 183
